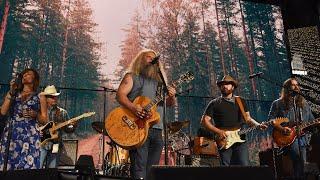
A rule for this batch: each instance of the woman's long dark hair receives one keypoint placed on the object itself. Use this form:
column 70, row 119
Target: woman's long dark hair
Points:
column 36, row 80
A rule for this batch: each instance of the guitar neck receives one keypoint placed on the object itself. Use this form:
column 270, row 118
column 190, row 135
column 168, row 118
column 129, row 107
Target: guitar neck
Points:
column 309, row 123
column 159, row 98
column 61, row 125
column 247, row 130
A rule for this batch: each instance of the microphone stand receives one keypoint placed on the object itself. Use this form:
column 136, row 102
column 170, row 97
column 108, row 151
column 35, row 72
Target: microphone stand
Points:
column 297, row 121
column 104, row 165
column 103, row 138
column 297, row 117
column 164, row 94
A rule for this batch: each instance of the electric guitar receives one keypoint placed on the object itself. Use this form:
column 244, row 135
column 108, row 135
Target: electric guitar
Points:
column 49, row 130
column 129, row 131
column 233, row 136
column 283, row 140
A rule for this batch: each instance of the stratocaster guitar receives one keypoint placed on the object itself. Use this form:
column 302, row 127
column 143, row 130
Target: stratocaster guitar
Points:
column 49, row 130
column 283, row 140
column 233, row 136
column 129, row 131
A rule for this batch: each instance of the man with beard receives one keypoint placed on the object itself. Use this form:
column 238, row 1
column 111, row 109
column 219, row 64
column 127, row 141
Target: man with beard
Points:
column 284, row 107
column 143, row 80
column 224, row 113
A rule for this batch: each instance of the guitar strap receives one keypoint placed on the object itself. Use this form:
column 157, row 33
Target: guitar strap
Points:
column 239, row 102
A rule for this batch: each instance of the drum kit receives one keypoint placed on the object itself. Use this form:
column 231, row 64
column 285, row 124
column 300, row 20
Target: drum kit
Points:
column 117, row 161
column 186, row 147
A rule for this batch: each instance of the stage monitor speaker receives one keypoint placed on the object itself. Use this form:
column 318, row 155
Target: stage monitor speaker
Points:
column 282, row 166
column 225, row 173
column 32, row 174
column 85, row 164
column 63, row 175
column 68, row 156
column 202, row 160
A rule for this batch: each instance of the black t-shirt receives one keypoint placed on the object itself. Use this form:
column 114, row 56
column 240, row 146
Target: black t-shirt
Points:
column 225, row 114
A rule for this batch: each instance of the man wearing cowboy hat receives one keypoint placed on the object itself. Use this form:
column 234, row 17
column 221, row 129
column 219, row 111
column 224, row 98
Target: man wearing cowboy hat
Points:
column 51, row 151
column 224, row 113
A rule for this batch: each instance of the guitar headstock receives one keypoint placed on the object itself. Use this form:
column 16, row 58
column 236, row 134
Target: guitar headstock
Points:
column 187, row 77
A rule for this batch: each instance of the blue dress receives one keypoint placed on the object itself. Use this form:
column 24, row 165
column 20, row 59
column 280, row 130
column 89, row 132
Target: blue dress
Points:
column 24, row 149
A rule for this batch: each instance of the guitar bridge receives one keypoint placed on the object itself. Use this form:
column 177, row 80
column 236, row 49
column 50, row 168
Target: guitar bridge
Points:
column 130, row 124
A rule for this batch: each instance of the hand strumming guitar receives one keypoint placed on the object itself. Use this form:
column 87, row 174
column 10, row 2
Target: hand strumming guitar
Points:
column 140, row 112
column 221, row 134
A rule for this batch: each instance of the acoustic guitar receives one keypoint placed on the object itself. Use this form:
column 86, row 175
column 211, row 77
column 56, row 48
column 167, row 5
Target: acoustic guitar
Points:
column 282, row 139
column 129, row 131
column 49, row 130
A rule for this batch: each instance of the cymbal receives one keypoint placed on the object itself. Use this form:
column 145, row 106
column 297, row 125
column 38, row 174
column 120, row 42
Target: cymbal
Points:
column 177, row 125
column 99, row 127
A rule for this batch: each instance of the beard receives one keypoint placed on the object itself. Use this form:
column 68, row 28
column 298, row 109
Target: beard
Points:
column 150, row 71
column 226, row 92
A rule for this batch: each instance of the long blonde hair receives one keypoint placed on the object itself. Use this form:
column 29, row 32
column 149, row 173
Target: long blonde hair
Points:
column 138, row 66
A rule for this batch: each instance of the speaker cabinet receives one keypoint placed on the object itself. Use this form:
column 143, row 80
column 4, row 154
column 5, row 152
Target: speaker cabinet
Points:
column 225, row 173
column 69, row 152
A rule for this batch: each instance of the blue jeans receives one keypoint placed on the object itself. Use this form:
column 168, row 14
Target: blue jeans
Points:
column 48, row 157
column 147, row 155
column 237, row 154
column 298, row 159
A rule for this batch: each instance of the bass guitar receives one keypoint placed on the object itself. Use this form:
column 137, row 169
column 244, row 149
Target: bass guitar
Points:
column 49, row 130
column 234, row 136
column 129, row 131
column 282, row 139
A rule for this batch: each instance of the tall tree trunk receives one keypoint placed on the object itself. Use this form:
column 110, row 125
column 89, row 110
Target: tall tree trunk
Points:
column 220, row 40
column 230, row 48
column 65, row 45
column 207, row 51
column 247, row 50
column 4, row 23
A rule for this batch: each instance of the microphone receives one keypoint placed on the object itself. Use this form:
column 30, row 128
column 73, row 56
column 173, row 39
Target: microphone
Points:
column 155, row 60
column 255, row 75
column 304, row 89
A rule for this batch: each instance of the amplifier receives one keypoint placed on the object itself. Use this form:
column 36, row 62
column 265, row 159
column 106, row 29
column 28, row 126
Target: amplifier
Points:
column 205, row 146
column 69, row 152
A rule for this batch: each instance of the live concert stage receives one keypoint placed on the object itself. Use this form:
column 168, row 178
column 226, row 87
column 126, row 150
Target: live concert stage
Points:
column 86, row 82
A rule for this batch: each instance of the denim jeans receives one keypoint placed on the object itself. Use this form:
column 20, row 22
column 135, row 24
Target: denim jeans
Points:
column 237, row 154
column 298, row 159
column 48, row 157
column 147, row 155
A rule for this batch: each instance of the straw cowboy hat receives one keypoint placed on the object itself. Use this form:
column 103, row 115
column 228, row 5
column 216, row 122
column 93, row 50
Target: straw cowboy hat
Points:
column 228, row 79
column 51, row 91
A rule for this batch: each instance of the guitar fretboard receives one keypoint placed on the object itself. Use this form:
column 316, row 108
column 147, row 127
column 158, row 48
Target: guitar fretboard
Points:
column 309, row 123
column 159, row 98
column 247, row 130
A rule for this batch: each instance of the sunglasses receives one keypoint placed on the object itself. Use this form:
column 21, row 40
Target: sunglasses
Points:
column 52, row 97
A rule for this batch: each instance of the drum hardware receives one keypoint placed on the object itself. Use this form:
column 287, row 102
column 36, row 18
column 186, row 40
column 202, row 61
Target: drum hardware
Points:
column 116, row 161
column 99, row 127
column 176, row 126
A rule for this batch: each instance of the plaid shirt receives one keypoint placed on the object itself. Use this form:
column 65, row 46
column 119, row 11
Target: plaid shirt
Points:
column 58, row 115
